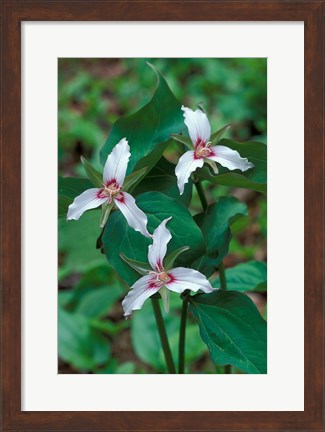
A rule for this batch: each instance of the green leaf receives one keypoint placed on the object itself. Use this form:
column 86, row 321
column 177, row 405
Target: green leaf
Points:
column 183, row 139
column 170, row 258
column 109, row 327
column 162, row 178
column 140, row 267
column 96, row 292
column 68, row 189
column 233, row 330
column 195, row 348
column 149, row 129
column 98, row 302
column 78, row 343
column 215, row 137
column 77, row 243
column 133, row 179
column 255, row 178
column 126, row 368
column 250, row 276
column 118, row 237
column 215, row 226
column 145, row 336
column 64, row 297
column 218, row 218
column 94, row 176
column 114, row 368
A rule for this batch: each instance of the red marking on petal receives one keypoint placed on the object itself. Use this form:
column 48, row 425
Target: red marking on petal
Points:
column 199, row 142
column 101, row 194
column 112, row 183
column 172, row 278
column 120, row 197
column 159, row 265
column 154, row 283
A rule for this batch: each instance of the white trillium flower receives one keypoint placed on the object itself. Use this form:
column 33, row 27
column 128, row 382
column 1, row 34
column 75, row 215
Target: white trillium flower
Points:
column 111, row 192
column 200, row 133
column 178, row 279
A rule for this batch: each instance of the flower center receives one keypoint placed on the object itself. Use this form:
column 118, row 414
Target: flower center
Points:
column 202, row 149
column 163, row 277
column 110, row 190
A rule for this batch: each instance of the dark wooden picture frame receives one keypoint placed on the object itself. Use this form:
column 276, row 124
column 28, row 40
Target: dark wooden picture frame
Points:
column 13, row 13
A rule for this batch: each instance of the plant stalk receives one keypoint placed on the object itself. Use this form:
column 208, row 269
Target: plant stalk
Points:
column 163, row 336
column 222, row 275
column 228, row 369
column 182, row 335
column 201, row 194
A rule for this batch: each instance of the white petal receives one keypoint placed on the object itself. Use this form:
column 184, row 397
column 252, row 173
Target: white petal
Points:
column 186, row 165
column 185, row 278
column 140, row 291
column 86, row 201
column 134, row 216
column 197, row 124
column 117, row 162
column 157, row 250
column 229, row 158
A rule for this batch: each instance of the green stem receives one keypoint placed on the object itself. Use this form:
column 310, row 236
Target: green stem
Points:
column 223, row 283
column 163, row 336
column 228, row 369
column 182, row 334
column 222, row 275
column 201, row 194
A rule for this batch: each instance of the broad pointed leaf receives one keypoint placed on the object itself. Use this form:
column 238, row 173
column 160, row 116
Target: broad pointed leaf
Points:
column 233, row 329
column 215, row 226
column 162, row 178
column 118, row 237
column 149, row 129
column 250, row 276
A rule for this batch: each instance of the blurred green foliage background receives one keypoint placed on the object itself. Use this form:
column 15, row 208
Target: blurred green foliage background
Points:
column 92, row 95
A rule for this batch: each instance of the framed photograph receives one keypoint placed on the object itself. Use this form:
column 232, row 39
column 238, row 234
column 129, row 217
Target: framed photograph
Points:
column 157, row 157
column 114, row 256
